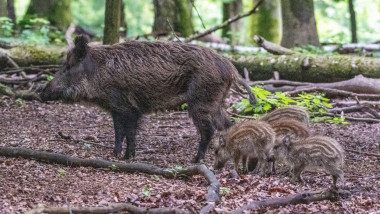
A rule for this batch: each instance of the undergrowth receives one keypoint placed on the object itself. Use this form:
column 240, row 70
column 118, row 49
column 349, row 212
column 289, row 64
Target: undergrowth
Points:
column 316, row 104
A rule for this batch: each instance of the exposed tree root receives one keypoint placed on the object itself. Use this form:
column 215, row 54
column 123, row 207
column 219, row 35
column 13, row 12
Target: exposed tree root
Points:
column 109, row 209
column 212, row 196
column 299, row 198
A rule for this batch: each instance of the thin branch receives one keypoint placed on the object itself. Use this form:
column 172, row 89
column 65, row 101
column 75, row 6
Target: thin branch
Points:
column 369, row 120
column 272, row 47
column 299, row 198
column 224, row 24
column 335, row 92
column 241, row 116
column 199, row 15
column 68, row 34
column 173, row 32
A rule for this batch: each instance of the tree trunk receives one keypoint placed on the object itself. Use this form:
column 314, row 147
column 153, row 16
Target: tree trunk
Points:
column 11, row 12
column 351, row 9
column 3, row 8
column 233, row 31
column 123, row 23
column 267, row 22
column 58, row 12
column 175, row 13
column 112, row 22
column 310, row 68
column 298, row 23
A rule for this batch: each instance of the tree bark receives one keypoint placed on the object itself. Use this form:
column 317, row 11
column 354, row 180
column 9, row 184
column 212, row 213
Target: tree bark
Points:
column 112, row 22
column 123, row 23
column 267, row 22
column 11, row 12
column 175, row 13
column 351, row 9
column 301, row 67
column 299, row 27
column 3, row 8
column 233, row 31
column 58, row 12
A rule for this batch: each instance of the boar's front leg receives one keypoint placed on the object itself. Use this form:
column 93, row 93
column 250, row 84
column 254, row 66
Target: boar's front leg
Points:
column 125, row 125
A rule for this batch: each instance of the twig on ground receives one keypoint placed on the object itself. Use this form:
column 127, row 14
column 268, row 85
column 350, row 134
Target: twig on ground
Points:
column 224, row 24
column 272, row 47
column 299, row 198
column 212, row 196
column 240, row 116
column 363, row 153
column 369, row 120
column 114, row 208
column 335, row 92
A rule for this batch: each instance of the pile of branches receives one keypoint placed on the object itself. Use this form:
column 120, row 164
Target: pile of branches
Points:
column 23, row 82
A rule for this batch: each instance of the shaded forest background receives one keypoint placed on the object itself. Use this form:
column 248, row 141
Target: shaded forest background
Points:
column 332, row 18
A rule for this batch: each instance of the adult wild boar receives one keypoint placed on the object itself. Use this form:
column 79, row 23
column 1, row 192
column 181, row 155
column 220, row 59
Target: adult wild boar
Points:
column 134, row 78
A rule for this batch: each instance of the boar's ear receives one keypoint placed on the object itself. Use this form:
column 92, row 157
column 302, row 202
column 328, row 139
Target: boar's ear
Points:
column 286, row 140
column 80, row 48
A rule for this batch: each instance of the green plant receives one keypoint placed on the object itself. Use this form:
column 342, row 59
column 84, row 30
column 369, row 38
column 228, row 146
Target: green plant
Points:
column 62, row 172
column 113, row 167
column 266, row 101
column 147, row 190
column 49, row 78
column 175, row 170
column 6, row 27
column 184, row 106
column 20, row 101
column 224, row 191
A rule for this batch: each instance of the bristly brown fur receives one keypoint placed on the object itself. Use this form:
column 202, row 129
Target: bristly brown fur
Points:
column 133, row 78
column 289, row 112
column 248, row 139
column 290, row 127
column 312, row 153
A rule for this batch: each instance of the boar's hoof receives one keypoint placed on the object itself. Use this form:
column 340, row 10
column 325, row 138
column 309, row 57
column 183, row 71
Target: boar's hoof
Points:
column 197, row 158
column 117, row 151
column 129, row 154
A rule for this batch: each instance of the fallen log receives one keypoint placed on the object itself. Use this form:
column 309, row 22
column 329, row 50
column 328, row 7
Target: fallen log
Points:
column 212, row 196
column 307, row 67
column 25, row 95
column 114, row 208
column 299, row 198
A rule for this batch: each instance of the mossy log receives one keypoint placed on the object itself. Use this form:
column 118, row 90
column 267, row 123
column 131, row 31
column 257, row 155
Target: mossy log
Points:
column 310, row 68
column 26, row 55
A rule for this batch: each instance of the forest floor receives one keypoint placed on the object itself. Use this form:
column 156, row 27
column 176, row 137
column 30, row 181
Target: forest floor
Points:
column 168, row 140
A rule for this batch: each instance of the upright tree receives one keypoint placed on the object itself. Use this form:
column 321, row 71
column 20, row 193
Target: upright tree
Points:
column 233, row 31
column 298, row 23
column 351, row 9
column 112, row 22
column 58, row 12
column 123, row 23
column 175, row 13
column 3, row 8
column 267, row 22
column 11, row 12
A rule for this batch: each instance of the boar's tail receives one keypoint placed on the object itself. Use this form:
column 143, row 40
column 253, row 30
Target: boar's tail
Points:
column 242, row 82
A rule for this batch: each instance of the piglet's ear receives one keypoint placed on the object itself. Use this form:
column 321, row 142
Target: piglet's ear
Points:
column 80, row 48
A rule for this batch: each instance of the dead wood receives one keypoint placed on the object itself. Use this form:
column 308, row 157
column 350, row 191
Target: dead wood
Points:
column 212, row 196
column 334, row 92
column 224, row 24
column 68, row 34
column 363, row 153
column 368, row 120
column 299, row 198
column 348, row 109
column 272, row 47
column 119, row 207
column 23, row 80
column 349, row 103
column 25, row 94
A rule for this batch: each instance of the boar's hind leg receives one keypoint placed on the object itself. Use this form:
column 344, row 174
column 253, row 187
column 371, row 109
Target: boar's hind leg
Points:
column 125, row 125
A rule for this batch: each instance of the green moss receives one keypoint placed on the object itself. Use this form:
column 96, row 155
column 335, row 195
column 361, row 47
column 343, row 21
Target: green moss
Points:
column 29, row 55
column 266, row 22
column 183, row 22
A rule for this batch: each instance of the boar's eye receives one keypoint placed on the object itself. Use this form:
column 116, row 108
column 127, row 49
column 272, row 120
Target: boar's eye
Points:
column 216, row 151
column 276, row 146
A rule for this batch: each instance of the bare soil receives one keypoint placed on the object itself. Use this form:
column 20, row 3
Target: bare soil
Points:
column 166, row 139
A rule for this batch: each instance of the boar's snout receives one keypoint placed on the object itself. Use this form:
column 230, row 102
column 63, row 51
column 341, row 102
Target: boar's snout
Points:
column 48, row 94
